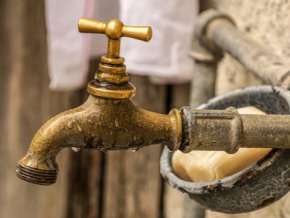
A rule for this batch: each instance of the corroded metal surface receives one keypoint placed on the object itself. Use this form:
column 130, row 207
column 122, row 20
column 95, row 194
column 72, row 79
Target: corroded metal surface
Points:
column 258, row 185
column 211, row 130
column 227, row 130
column 217, row 29
column 100, row 123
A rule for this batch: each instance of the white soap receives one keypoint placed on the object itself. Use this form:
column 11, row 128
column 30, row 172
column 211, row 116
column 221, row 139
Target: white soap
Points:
column 208, row 166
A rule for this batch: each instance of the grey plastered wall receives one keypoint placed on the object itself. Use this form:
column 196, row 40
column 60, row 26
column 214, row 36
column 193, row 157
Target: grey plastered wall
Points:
column 267, row 22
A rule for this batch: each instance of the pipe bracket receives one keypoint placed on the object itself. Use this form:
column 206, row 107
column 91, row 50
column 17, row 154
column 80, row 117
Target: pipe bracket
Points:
column 202, row 48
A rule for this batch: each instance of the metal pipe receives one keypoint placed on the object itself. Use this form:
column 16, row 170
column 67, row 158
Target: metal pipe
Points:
column 219, row 30
column 227, row 130
column 273, row 131
column 216, row 32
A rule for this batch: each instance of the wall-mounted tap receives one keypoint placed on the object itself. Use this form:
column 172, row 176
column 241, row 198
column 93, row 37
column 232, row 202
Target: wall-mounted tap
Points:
column 109, row 120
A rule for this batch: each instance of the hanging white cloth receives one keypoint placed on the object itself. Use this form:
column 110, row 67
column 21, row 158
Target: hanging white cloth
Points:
column 68, row 50
column 165, row 58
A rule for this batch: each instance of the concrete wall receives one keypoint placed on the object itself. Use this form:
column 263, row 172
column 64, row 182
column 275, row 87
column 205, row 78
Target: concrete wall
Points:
column 267, row 22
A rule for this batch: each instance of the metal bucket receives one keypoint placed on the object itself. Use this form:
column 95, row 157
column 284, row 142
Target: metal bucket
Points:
column 254, row 187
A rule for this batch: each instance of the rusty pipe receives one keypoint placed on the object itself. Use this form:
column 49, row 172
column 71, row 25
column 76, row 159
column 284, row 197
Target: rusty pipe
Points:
column 100, row 123
column 217, row 30
column 227, row 130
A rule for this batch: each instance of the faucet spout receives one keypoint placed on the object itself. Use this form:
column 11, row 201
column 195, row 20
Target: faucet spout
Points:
column 100, row 123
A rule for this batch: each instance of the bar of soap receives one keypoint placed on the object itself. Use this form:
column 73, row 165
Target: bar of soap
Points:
column 208, row 166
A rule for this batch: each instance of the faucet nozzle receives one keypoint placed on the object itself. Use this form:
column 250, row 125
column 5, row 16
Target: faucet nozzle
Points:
column 36, row 176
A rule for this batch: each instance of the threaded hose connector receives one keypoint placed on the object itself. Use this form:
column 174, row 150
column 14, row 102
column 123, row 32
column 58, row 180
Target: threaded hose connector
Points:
column 36, row 176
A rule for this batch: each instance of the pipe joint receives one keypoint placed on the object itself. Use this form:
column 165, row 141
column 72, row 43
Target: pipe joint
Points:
column 211, row 130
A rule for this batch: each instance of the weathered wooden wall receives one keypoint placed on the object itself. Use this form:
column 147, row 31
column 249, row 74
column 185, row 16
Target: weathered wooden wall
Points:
column 90, row 184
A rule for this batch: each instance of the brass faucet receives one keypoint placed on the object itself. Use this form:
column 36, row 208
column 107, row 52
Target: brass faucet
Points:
column 109, row 120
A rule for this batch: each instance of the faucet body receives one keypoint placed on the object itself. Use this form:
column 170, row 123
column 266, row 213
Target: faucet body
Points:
column 100, row 123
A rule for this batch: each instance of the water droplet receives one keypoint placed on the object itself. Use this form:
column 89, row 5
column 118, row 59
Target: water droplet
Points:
column 135, row 138
column 70, row 124
column 116, row 123
column 134, row 149
column 75, row 149
column 79, row 128
column 126, row 130
column 103, row 150
column 111, row 133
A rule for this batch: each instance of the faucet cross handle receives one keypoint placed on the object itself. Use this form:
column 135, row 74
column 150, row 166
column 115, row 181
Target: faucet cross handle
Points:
column 115, row 30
